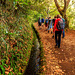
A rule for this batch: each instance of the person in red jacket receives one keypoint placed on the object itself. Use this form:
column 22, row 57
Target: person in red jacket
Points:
column 57, row 32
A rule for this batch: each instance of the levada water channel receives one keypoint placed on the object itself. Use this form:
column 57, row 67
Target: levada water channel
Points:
column 33, row 65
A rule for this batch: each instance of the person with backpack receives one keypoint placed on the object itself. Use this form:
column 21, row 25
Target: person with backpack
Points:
column 53, row 22
column 42, row 21
column 39, row 22
column 49, row 24
column 63, row 28
column 46, row 22
column 58, row 28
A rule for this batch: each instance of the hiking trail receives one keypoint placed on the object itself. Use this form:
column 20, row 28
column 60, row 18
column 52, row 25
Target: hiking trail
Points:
column 59, row 61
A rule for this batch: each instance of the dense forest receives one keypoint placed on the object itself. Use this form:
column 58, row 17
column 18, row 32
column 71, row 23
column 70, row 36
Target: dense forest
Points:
column 16, row 33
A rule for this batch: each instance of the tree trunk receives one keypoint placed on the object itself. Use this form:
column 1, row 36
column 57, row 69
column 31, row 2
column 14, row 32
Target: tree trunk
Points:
column 63, row 12
column 66, row 20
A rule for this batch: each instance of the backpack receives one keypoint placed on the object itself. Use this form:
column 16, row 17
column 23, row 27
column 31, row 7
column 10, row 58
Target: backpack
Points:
column 42, row 20
column 60, row 25
column 46, row 20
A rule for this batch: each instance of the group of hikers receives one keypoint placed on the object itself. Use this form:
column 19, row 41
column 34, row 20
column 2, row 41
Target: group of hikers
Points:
column 55, row 26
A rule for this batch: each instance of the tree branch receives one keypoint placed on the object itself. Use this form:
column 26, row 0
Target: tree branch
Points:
column 67, row 3
column 58, row 7
column 53, row 10
column 64, row 9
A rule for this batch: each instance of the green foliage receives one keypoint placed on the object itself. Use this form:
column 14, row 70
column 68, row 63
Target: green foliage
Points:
column 16, row 41
column 2, row 70
column 71, row 14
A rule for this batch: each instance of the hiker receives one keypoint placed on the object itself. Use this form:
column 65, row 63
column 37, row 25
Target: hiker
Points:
column 53, row 22
column 42, row 21
column 63, row 28
column 49, row 25
column 46, row 22
column 58, row 30
column 39, row 22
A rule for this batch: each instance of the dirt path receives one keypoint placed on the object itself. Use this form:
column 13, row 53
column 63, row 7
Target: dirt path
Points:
column 58, row 61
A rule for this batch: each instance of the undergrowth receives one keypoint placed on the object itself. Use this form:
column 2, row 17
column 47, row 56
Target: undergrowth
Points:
column 15, row 42
column 16, row 36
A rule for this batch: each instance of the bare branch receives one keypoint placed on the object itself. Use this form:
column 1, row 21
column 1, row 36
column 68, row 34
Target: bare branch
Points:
column 66, row 3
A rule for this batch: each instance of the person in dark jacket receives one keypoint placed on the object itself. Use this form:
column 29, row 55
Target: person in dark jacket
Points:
column 53, row 22
column 57, row 32
column 50, row 25
column 46, row 22
column 42, row 21
column 39, row 22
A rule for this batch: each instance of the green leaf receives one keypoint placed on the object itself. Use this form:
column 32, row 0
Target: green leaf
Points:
column 25, row 3
column 10, row 73
column 6, row 65
column 3, row 69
